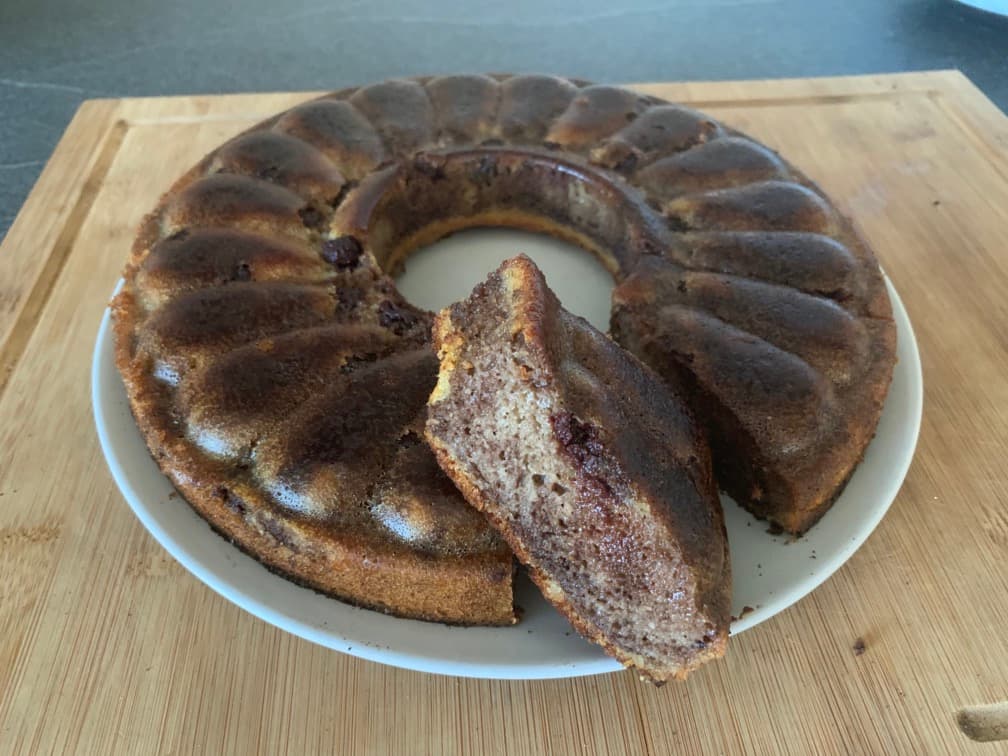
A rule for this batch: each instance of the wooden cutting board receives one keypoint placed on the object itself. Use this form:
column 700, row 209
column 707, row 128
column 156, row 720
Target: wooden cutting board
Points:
column 106, row 644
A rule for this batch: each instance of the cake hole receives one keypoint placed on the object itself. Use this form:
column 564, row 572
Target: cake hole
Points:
column 446, row 271
column 311, row 217
column 538, row 479
column 408, row 440
column 558, row 489
column 676, row 223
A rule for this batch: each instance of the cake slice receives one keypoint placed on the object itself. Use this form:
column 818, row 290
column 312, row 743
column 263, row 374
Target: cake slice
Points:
column 592, row 469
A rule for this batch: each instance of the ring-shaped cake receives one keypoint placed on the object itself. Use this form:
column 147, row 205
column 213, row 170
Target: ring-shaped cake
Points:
column 280, row 380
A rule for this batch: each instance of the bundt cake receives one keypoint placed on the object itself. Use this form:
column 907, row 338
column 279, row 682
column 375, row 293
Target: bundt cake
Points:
column 593, row 470
column 280, row 380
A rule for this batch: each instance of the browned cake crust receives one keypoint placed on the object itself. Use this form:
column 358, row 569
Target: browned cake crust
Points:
column 736, row 279
column 591, row 467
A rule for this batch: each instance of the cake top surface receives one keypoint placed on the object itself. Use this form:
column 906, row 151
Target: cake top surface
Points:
column 265, row 346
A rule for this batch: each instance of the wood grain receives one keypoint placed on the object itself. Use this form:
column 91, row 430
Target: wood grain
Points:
column 107, row 645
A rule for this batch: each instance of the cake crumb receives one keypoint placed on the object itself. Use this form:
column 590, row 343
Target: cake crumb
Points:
column 745, row 610
column 859, row 647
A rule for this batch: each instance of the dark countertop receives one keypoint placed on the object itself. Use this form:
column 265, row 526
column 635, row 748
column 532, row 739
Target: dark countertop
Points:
column 56, row 53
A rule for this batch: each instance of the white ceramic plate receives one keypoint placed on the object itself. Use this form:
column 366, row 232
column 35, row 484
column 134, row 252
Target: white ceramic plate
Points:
column 770, row 572
column 1000, row 7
